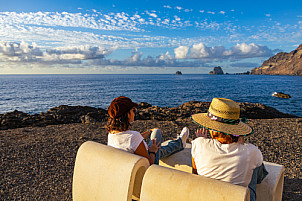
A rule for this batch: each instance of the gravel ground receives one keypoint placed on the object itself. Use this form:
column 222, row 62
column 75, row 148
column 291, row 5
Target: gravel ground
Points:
column 37, row 162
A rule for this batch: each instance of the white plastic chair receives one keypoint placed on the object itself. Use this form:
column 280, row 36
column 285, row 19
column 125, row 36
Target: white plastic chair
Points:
column 105, row 173
column 166, row 184
column 270, row 189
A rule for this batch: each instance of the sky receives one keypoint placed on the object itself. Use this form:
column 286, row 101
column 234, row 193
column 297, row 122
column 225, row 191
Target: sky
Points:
column 144, row 37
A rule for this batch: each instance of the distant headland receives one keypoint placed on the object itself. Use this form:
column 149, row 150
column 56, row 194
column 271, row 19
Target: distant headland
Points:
column 280, row 64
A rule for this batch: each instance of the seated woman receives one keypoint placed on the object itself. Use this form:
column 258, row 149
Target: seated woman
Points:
column 121, row 114
column 226, row 156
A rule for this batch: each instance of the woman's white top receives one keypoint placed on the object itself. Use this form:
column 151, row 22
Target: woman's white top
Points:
column 127, row 140
column 233, row 163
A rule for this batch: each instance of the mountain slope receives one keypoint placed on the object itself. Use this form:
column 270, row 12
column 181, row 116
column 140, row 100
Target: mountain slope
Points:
column 282, row 64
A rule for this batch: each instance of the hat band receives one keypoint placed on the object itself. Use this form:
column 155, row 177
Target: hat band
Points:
column 223, row 120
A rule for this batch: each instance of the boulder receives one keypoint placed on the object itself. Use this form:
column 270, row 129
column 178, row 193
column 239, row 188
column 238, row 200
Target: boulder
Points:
column 281, row 95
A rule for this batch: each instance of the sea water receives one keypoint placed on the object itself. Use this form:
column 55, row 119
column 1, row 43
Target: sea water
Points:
column 38, row 93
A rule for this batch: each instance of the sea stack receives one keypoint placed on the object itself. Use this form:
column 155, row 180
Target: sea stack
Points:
column 217, row 71
column 178, row 73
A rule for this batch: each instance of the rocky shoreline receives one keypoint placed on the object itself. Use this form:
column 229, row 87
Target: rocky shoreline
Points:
column 37, row 160
column 83, row 114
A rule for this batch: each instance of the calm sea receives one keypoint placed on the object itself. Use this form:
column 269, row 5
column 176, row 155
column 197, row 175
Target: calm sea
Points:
column 38, row 93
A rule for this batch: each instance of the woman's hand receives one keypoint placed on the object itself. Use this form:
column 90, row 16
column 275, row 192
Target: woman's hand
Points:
column 154, row 146
column 201, row 132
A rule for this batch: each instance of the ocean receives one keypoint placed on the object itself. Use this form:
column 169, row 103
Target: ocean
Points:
column 38, row 93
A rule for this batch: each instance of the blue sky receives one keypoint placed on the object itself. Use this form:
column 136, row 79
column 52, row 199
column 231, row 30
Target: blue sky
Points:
column 144, row 36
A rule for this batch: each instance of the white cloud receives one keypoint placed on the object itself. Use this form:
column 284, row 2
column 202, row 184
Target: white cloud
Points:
column 97, row 56
column 199, row 51
column 24, row 52
column 188, row 10
column 210, row 12
column 153, row 15
column 243, row 50
column 181, row 52
column 136, row 59
column 222, row 12
column 19, row 51
column 268, row 15
column 176, row 18
column 178, row 8
column 167, row 6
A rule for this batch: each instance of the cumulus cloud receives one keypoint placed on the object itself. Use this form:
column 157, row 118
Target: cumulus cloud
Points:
column 19, row 51
column 201, row 51
column 181, row 52
column 198, row 55
column 244, row 50
column 137, row 60
column 24, row 52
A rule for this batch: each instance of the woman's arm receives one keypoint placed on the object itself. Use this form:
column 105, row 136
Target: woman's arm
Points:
column 146, row 134
column 142, row 151
column 194, row 170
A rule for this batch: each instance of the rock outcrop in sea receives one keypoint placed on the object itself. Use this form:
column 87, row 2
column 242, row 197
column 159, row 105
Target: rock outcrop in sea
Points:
column 217, row 71
column 82, row 114
column 282, row 64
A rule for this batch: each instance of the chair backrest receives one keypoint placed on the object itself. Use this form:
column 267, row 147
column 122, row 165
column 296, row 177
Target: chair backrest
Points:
column 271, row 188
column 105, row 173
column 180, row 161
column 166, row 184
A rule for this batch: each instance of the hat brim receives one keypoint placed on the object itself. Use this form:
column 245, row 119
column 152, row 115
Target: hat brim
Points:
column 239, row 129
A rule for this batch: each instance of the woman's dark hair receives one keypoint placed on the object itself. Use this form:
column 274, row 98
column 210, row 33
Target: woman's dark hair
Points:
column 120, row 123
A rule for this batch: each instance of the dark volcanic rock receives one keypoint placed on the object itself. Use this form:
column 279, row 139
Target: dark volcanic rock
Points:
column 282, row 64
column 15, row 119
column 82, row 114
column 217, row 71
column 58, row 115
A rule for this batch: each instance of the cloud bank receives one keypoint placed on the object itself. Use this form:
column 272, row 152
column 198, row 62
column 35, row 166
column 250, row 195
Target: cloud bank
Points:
column 239, row 51
column 198, row 55
column 24, row 52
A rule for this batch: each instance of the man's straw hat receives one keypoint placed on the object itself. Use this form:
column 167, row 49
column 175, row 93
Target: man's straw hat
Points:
column 223, row 116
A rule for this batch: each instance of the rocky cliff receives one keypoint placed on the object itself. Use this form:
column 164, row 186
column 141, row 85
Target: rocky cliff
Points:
column 282, row 64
